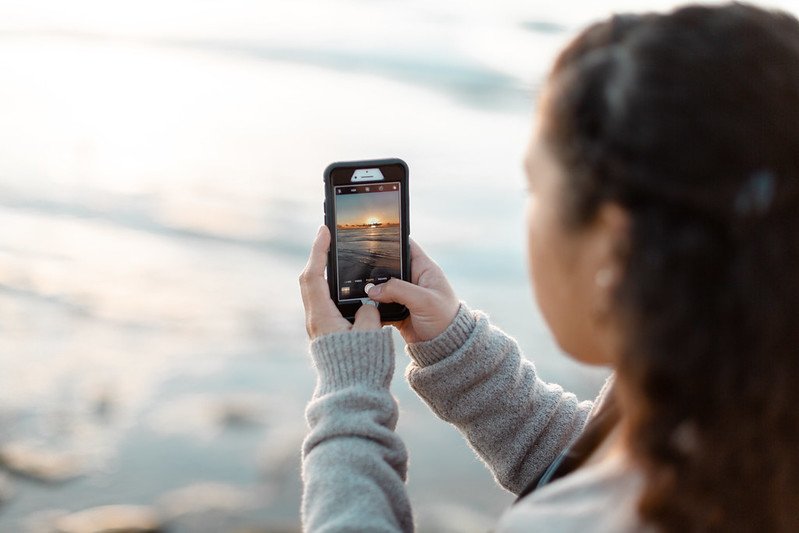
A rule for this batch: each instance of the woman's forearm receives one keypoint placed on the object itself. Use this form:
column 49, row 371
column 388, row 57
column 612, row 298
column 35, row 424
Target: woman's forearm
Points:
column 354, row 465
column 473, row 375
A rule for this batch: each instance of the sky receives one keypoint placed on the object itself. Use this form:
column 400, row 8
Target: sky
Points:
column 352, row 209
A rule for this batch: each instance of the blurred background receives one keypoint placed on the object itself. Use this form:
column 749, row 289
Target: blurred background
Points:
column 160, row 184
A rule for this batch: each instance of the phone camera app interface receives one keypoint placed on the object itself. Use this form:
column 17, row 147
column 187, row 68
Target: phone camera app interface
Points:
column 368, row 237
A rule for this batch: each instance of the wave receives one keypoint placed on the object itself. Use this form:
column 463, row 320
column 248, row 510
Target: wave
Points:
column 143, row 217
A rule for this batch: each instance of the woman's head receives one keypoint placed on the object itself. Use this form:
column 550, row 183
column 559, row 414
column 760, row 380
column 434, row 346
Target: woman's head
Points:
column 672, row 148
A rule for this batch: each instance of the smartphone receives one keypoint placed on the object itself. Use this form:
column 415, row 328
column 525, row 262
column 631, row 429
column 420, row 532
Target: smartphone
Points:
column 367, row 212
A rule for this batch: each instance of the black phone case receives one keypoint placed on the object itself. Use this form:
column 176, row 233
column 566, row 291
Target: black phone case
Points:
column 388, row 312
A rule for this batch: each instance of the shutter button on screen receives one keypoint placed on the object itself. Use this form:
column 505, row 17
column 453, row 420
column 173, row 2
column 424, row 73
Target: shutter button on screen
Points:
column 367, row 301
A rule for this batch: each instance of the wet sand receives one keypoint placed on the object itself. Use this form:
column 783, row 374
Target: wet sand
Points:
column 367, row 255
column 152, row 344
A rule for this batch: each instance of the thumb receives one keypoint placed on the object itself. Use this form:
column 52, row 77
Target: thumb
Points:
column 367, row 317
column 399, row 291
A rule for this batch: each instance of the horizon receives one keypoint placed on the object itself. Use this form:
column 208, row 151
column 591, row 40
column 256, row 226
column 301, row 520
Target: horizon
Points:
column 368, row 225
column 361, row 209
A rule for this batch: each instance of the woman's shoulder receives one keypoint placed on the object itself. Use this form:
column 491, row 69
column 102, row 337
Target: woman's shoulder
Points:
column 600, row 497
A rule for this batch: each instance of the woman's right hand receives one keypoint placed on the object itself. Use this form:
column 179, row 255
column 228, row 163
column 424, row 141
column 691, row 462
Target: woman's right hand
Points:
column 430, row 300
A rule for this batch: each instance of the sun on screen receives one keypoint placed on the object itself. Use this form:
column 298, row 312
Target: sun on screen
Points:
column 373, row 221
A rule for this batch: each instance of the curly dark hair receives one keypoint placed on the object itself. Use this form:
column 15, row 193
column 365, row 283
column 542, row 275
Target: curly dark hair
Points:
column 690, row 121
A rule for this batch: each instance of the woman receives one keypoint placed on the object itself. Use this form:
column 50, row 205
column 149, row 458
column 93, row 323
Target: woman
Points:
column 664, row 242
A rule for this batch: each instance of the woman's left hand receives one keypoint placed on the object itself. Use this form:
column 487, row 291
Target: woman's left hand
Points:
column 321, row 314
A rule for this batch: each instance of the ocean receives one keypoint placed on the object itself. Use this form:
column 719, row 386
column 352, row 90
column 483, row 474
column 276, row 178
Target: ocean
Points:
column 160, row 186
column 366, row 255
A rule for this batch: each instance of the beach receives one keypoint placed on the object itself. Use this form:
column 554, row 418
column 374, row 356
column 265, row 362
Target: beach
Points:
column 160, row 187
column 367, row 255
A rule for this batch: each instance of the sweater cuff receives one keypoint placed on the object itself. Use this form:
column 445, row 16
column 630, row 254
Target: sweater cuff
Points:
column 350, row 358
column 426, row 353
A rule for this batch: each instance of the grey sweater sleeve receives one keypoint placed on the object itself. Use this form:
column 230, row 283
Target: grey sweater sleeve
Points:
column 353, row 464
column 474, row 376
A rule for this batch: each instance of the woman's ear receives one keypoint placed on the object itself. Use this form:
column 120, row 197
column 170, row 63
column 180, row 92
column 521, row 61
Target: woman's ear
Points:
column 603, row 270
column 610, row 237
column 614, row 223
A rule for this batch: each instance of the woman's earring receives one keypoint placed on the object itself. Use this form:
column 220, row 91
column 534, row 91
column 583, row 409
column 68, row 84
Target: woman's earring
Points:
column 603, row 280
column 603, row 277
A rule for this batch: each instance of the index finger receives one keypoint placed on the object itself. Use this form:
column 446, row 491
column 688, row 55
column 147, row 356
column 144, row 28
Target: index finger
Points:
column 313, row 285
column 420, row 262
column 317, row 261
column 312, row 280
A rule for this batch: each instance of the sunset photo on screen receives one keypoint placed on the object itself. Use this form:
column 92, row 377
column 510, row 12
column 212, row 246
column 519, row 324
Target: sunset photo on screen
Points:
column 367, row 238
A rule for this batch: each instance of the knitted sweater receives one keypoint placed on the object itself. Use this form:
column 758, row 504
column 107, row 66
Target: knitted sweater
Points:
column 473, row 376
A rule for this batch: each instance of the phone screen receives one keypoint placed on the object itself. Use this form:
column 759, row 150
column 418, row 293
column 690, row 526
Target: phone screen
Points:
column 368, row 237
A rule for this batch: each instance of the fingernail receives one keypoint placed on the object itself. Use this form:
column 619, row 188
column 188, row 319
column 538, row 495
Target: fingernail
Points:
column 319, row 231
column 374, row 290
